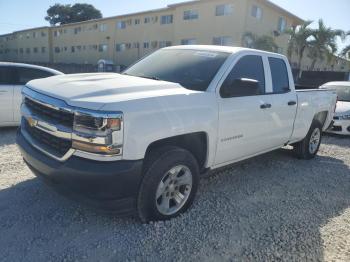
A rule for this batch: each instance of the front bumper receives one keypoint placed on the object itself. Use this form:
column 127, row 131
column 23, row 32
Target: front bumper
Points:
column 340, row 127
column 110, row 186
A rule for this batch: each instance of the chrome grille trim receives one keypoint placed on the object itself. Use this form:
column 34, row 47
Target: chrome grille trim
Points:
column 63, row 131
column 67, row 155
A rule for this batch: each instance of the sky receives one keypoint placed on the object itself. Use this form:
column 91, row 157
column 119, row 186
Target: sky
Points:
column 21, row 14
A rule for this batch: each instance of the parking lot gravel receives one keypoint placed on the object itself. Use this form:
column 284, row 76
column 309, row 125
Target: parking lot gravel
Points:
column 270, row 208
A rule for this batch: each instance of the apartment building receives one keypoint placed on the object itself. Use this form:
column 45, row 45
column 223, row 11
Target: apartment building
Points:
column 125, row 39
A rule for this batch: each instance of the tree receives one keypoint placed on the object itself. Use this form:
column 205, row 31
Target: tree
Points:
column 346, row 51
column 323, row 42
column 266, row 43
column 299, row 41
column 64, row 14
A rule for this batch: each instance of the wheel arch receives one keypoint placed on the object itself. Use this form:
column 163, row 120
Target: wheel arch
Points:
column 321, row 117
column 196, row 143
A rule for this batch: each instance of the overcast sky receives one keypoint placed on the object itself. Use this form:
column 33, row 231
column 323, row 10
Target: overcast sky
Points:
column 21, row 14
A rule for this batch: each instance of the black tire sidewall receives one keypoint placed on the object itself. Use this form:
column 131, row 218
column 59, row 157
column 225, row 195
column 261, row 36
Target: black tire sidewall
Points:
column 146, row 202
column 306, row 143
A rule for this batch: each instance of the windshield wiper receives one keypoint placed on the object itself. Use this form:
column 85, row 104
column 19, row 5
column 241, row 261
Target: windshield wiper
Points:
column 148, row 77
column 151, row 77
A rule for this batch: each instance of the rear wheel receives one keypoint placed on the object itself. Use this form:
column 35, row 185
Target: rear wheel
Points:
column 309, row 146
column 169, row 185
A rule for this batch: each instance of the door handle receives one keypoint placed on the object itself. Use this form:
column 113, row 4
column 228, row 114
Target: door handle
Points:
column 292, row 103
column 265, row 106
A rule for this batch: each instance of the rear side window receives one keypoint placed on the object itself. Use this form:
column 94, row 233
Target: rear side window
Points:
column 6, row 74
column 24, row 75
column 249, row 67
column 279, row 73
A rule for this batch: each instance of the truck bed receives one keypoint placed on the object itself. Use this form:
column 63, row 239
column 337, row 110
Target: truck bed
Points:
column 311, row 102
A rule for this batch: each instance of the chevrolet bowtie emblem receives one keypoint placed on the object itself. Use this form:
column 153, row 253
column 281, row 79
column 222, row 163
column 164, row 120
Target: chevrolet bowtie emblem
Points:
column 32, row 122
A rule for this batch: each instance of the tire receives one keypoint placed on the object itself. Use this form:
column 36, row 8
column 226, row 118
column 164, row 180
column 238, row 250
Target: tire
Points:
column 173, row 166
column 308, row 147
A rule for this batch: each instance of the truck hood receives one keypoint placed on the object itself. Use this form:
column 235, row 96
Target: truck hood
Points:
column 342, row 108
column 93, row 91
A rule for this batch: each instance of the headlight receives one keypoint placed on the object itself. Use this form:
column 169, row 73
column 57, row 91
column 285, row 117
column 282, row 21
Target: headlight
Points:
column 345, row 117
column 99, row 133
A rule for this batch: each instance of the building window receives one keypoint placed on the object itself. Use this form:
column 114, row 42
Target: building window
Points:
column 35, row 34
column 27, row 50
column 137, row 21
column 121, row 25
column 191, row 41
column 21, row 50
column 190, row 15
column 121, row 47
column 57, row 50
column 43, row 34
column 256, row 12
column 222, row 10
column 166, row 19
column 155, row 19
column 146, row 45
column 103, row 27
column 27, row 35
column 35, row 50
column 136, row 45
column 154, row 44
column 77, row 30
column 147, row 20
column 79, row 47
column 222, row 40
column 282, row 24
column 102, row 48
column 72, row 49
column 163, row 44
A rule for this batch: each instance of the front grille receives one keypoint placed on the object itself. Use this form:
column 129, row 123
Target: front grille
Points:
column 53, row 115
column 54, row 145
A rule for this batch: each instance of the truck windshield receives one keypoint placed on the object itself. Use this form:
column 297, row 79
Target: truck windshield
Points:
column 193, row 69
column 343, row 93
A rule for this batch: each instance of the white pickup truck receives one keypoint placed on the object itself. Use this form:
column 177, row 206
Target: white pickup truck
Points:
column 138, row 142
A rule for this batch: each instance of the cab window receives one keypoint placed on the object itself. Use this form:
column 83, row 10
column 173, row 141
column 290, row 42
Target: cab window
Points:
column 247, row 78
column 279, row 74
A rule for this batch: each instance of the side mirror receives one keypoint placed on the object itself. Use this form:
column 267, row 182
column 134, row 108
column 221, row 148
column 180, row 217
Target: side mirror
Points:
column 241, row 87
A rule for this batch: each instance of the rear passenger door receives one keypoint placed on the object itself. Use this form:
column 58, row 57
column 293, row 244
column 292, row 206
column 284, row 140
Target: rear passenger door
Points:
column 22, row 76
column 283, row 101
column 6, row 95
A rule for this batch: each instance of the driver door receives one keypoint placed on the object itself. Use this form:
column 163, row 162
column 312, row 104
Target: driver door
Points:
column 243, row 123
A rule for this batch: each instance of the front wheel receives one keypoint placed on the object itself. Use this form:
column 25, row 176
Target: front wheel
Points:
column 309, row 146
column 169, row 184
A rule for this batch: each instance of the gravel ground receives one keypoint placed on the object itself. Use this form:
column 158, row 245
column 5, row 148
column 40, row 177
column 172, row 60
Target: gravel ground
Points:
column 270, row 208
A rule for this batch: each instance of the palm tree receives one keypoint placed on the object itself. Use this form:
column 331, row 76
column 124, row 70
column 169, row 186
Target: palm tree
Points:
column 346, row 51
column 299, row 41
column 323, row 42
column 265, row 42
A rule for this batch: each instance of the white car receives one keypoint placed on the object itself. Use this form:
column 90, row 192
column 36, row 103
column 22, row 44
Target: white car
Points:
column 13, row 77
column 138, row 142
column 341, row 124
